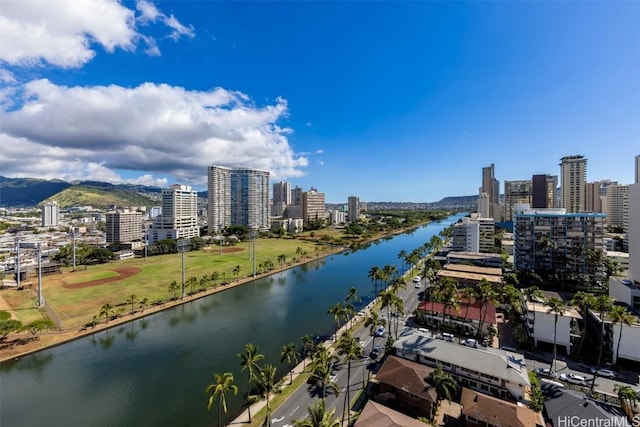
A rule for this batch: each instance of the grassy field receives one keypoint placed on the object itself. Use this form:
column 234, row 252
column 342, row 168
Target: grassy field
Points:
column 76, row 305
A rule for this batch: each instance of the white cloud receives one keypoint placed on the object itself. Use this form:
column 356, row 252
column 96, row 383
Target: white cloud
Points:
column 308, row 124
column 92, row 132
column 319, row 151
column 63, row 33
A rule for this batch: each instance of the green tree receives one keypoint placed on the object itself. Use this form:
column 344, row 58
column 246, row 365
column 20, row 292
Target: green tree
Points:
column 603, row 304
column 444, row 383
column 267, row 385
column 307, row 346
column 143, row 303
column 350, row 350
column 38, row 325
column 8, row 326
column 173, row 289
column 236, row 271
column 289, row 353
column 626, row 394
column 317, row 416
column 223, row 384
column 106, row 310
column 619, row 315
column 249, row 362
column 375, row 275
column 337, row 311
column 132, row 300
column 584, row 301
column 558, row 308
column 372, row 321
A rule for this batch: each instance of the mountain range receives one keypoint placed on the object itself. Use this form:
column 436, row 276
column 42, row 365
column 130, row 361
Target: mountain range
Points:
column 28, row 192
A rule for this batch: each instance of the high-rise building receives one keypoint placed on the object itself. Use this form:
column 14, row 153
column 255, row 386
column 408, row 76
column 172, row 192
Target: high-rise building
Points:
column 593, row 199
column 353, row 208
column 634, row 232
column 546, row 240
column 617, row 204
column 281, row 198
column 637, row 180
column 179, row 219
column 123, row 226
column 544, row 191
column 313, row 206
column 491, row 187
column 573, row 174
column 237, row 196
column 50, row 214
column 483, row 205
column 516, row 192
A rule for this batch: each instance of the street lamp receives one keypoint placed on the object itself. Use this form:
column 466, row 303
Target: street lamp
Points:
column 183, row 244
column 40, row 301
column 254, row 236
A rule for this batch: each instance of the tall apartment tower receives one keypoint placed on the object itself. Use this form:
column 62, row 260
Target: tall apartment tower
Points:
column 633, row 235
column 483, row 205
column 50, row 214
column 544, row 191
column 353, row 208
column 281, row 198
column 179, row 219
column 617, row 204
column 313, row 205
column 237, row 196
column 637, row 168
column 123, row 227
column 516, row 192
column 491, row 187
column 573, row 174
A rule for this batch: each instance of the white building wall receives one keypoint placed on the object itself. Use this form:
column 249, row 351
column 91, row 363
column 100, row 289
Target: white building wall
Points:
column 629, row 344
column 634, row 232
column 543, row 329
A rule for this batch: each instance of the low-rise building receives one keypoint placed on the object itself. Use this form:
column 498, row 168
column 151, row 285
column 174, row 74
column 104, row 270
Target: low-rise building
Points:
column 471, row 316
column 378, row 415
column 485, row 369
column 481, row 410
column 475, row 258
column 469, row 275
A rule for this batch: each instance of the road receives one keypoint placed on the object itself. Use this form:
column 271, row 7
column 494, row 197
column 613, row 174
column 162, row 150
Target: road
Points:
column 295, row 407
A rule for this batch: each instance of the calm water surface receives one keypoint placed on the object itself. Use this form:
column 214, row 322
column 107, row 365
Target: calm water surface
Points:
column 153, row 371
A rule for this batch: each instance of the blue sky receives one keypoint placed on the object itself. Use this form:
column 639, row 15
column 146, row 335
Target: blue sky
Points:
column 388, row 101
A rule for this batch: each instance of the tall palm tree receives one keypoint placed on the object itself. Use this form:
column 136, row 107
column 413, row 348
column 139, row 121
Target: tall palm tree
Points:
column 486, row 294
column 317, row 416
column 375, row 275
column 174, row 288
column 352, row 296
column 620, row 315
column 446, row 386
column 290, row 354
column 133, row 298
column 557, row 307
column 626, row 394
column 218, row 390
column 585, row 301
column 267, row 385
column 350, row 350
column 533, row 294
column 372, row 321
column 236, row 271
column 307, row 346
column 337, row 311
column 604, row 304
column 386, row 300
column 321, row 362
column 106, row 310
column 468, row 294
column 249, row 362
column 143, row 303
column 402, row 255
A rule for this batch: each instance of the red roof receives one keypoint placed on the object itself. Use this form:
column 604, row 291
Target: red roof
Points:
column 473, row 313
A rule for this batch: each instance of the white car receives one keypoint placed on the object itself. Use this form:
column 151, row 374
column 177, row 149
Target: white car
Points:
column 545, row 372
column 573, row 379
column 607, row 373
column 379, row 332
column 470, row 342
column 417, row 279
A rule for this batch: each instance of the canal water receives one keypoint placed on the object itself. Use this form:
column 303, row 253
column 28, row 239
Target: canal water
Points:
column 153, row 371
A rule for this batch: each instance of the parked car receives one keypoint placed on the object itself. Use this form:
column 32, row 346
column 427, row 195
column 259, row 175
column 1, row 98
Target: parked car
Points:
column 573, row 379
column 376, row 351
column 380, row 331
column 607, row 373
column 445, row 336
column 545, row 372
column 470, row 342
column 417, row 279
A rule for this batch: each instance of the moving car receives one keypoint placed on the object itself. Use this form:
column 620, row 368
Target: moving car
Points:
column 470, row 342
column 417, row 279
column 376, row 351
column 379, row 332
column 545, row 372
column 607, row 373
column 445, row 336
column 573, row 379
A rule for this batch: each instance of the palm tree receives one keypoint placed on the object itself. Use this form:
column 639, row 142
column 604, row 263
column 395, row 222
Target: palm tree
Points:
column 321, row 362
column 352, row 296
column 223, row 384
column 386, row 300
column 372, row 321
column 337, row 311
column 626, row 394
column 267, row 385
column 533, row 294
column 132, row 300
column 290, row 354
column 444, row 383
column 557, row 307
column 106, row 311
column 249, row 362
column 307, row 345
column 402, row 255
column 236, row 271
column 375, row 275
column 486, row 294
column 143, row 303
column 468, row 294
column 350, row 350
column 215, row 276
column 604, row 304
column 174, row 288
column 585, row 301
column 619, row 314
column 317, row 416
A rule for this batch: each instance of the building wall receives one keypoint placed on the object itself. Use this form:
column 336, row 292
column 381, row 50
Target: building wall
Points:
column 617, row 204
column 542, row 329
column 179, row 219
column 629, row 344
column 634, row 232
column 353, row 208
column 50, row 215
column 313, row 205
column 123, row 227
column 219, row 198
column 544, row 191
column 516, row 192
column 250, row 198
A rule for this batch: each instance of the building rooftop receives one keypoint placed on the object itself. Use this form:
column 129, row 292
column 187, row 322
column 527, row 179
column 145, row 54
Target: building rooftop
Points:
column 498, row 412
column 561, row 408
column 476, row 277
column 407, row 376
column 488, row 360
column 377, row 415
column 492, row 271
column 471, row 311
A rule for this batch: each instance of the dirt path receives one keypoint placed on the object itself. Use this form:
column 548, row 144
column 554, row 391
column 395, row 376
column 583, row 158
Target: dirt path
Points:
column 123, row 273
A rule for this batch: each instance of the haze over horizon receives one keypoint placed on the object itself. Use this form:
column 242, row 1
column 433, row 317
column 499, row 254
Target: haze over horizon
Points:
column 386, row 101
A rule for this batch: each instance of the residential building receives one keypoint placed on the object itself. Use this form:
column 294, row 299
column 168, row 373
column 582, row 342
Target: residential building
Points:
column 481, row 410
column 569, row 408
column 554, row 240
column 123, row 226
column 400, row 385
column 516, row 192
column 377, row 415
column 179, row 219
column 593, row 197
column 637, row 169
column 237, row 196
column 337, row 217
column 281, row 198
column 484, row 369
column 541, row 323
column 573, row 173
column 471, row 316
column 543, row 188
column 634, row 232
column 617, row 205
column 483, row 205
column 475, row 234
column 475, row 258
column 491, row 187
column 313, row 206
column 353, row 208
column 154, row 212
column 50, row 214
column 625, row 291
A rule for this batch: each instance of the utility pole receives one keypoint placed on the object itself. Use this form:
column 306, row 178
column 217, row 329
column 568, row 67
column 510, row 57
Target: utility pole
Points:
column 40, row 302
column 17, row 261
column 254, row 235
column 73, row 236
column 220, row 238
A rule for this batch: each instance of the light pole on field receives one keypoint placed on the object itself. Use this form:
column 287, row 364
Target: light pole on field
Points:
column 183, row 244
